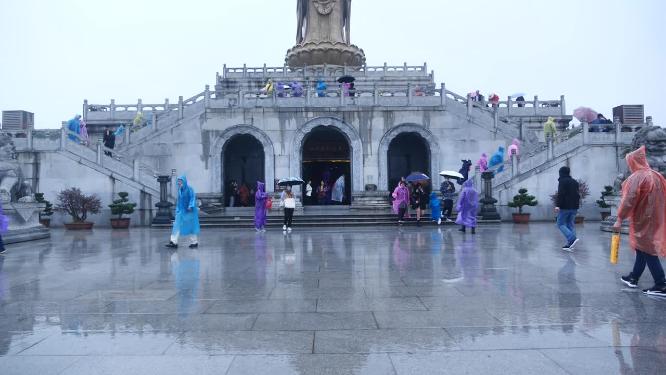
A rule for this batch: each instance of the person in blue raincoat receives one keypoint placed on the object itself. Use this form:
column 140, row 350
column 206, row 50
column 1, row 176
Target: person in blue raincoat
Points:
column 435, row 208
column 74, row 126
column 497, row 161
column 187, row 215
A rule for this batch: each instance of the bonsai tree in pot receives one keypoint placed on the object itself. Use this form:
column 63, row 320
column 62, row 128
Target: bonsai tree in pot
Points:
column 45, row 215
column 519, row 201
column 78, row 205
column 603, row 205
column 120, row 207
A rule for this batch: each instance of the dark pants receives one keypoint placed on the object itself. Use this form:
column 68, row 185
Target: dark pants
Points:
column 643, row 259
column 401, row 213
column 447, row 208
column 2, row 244
column 288, row 216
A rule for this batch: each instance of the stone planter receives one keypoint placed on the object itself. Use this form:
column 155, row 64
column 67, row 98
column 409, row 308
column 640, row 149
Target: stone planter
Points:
column 79, row 226
column 120, row 223
column 521, row 218
column 580, row 219
column 605, row 215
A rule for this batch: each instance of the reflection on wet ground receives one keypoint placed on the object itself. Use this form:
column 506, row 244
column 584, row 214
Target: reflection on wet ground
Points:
column 351, row 301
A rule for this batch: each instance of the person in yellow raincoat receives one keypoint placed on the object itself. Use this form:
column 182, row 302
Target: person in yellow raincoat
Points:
column 549, row 129
column 644, row 205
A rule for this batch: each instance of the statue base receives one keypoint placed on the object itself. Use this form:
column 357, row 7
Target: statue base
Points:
column 320, row 53
column 24, row 222
column 607, row 225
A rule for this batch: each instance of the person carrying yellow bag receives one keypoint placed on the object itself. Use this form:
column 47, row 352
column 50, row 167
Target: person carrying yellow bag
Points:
column 644, row 205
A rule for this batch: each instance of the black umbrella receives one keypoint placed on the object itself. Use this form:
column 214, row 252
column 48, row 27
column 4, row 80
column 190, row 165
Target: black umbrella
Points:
column 417, row 177
column 346, row 79
column 290, row 181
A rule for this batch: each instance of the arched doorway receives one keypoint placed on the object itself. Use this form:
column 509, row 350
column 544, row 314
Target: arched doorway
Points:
column 407, row 152
column 326, row 156
column 243, row 157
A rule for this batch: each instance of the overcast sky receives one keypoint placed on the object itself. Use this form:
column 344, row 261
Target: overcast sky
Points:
column 599, row 53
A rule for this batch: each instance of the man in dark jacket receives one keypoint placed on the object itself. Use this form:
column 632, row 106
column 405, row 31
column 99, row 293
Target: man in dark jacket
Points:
column 568, row 203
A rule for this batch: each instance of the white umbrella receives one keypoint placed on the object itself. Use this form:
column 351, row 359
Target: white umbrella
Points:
column 451, row 174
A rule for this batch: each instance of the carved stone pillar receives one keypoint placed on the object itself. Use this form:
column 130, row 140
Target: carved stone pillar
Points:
column 163, row 215
column 488, row 210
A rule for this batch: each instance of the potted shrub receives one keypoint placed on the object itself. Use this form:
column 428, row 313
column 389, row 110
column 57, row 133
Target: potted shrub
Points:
column 78, row 205
column 44, row 216
column 583, row 191
column 605, row 207
column 519, row 201
column 121, row 207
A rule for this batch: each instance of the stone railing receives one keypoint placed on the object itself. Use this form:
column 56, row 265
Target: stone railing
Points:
column 266, row 72
column 64, row 140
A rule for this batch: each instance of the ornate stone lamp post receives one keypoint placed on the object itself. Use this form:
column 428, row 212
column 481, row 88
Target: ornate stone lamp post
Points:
column 488, row 210
column 163, row 215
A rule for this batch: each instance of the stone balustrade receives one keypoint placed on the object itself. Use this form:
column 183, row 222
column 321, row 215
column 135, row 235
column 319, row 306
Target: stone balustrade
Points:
column 285, row 71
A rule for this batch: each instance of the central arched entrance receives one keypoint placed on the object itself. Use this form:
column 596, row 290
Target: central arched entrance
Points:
column 408, row 152
column 243, row 157
column 326, row 157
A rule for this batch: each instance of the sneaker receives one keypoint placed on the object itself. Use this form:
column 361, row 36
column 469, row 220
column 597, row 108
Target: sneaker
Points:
column 462, row 230
column 289, row 229
column 473, row 230
column 439, row 221
column 194, row 246
column 284, row 227
column 573, row 244
column 629, row 281
column 3, row 251
column 567, row 248
column 657, row 291
column 449, row 220
column 171, row 245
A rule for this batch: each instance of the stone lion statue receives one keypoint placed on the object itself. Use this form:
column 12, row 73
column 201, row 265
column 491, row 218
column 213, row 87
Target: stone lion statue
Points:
column 654, row 140
column 12, row 184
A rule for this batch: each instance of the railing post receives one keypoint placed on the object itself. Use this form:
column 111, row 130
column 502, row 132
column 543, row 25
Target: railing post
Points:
column 508, row 106
column 563, row 107
column 154, row 119
column 224, row 71
column 425, row 69
column 618, row 129
column 181, row 115
column 127, row 132
column 63, row 136
column 385, row 68
column 113, row 108
column 514, row 165
column 264, row 72
column 342, row 96
column 284, row 70
column 244, row 70
column 167, row 108
column 536, row 104
column 135, row 169
column 586, row 133
column 99, row 151
column 375, row 99
column 85, row 110
column 443, row 94
column 469, row 105
column 409, row 94
column 308, row 93
column 207, row 94
column 30, row 139
column 139, row 105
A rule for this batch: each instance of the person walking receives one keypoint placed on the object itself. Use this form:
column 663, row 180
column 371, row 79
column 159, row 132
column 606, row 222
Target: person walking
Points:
column 74, row 127
column 419, row 201
column 260, row 198
column 187, row 215
column 4, row 225
column 435, row 208
column 400, row 200
column 109, row 141
column 549, row 129
column 643, row 204
column 83, row 133
column 308, row 192
column 322, row 193
column 468, row 206
column 568, row 203
column 289, row 204
column 448, row 190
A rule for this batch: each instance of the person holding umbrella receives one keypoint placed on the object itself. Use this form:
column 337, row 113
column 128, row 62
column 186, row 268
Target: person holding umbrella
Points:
column 289, row 200
column 419, row 201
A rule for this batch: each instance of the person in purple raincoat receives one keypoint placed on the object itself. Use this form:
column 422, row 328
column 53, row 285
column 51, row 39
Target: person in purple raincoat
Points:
column 4, row 225
column 400, row 200
column 468, row 205
column 260, row 207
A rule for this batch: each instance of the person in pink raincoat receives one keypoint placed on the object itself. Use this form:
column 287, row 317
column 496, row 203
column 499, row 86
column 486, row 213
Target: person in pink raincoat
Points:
column 514, row 149
column 83, row 133
column 483, row 162
column 400, row 200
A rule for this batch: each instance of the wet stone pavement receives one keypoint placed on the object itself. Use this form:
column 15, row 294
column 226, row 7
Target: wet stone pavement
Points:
column 347, row 301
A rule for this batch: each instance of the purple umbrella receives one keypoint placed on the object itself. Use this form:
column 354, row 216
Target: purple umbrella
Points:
column 585, row 114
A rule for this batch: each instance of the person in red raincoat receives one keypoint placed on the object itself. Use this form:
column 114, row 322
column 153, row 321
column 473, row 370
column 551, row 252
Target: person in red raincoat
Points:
column 644, row 205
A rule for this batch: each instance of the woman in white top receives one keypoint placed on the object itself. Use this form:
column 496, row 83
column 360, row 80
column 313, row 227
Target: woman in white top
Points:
column 308, row 191
column 289, row 203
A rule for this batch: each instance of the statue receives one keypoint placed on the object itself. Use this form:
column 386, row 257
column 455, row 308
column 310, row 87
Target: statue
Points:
column 12, row 185
column 323, row 34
